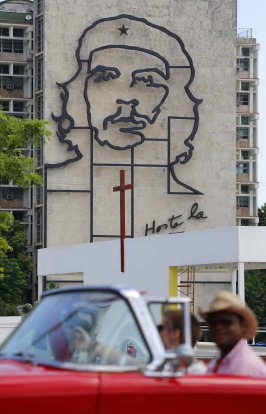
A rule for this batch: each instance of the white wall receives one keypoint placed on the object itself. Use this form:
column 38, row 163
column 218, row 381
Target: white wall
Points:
column 147, row 259
column 7, row 324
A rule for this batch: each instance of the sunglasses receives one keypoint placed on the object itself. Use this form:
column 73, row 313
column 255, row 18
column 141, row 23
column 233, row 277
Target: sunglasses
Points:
column 223, row 320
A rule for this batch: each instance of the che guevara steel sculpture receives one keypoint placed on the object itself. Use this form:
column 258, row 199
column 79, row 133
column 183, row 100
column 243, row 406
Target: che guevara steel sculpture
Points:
column 136, row 77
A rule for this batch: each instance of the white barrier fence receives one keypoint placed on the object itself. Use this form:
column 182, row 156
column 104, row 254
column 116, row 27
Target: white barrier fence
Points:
column 7, row 324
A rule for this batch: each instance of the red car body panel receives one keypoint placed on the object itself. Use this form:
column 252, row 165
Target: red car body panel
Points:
column 33, row 389
column 25, row 388
column 134, row 393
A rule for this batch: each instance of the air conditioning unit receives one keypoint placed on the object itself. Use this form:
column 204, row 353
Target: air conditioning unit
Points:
column 238, row 206
column 238, row 102
column 10, row 86
column 9, row 197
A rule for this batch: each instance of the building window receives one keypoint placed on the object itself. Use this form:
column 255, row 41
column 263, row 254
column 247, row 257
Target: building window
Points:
column 40, row 107
column 242, row 99
column 242, row 133
column 18, row 70
column 18, row 83
column 39, row 35
column 11, row 46
column 39, row 226
column 245, row 51
column 4, row 31
column 4, row 69
column 242, row 65
column 244, row 86
column 7, row 82
column 39, row 195
column 242, row 168
column 244, row 155
column 19, row 215
column 244, row 189
column 18, row 106
column 243, row 201
column 18, row 32
column 10, row 83
column 40, row 7
column 6, row 45
column 39, row 74
column 244, row 222
column 4, row 106
column 18, row 46
column 11, row 193
column 244, row 120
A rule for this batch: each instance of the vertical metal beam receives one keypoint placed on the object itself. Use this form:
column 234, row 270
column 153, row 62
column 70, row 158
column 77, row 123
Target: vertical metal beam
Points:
column 241, row 280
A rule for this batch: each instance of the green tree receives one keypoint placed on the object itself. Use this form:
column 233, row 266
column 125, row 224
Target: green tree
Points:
column 255, row 285
column 6, row 219
column 262, row 215
column 17, row 136
column 17, row 266
column 255, row 290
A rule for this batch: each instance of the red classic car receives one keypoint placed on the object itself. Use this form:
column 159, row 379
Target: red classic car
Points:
column 124, row 368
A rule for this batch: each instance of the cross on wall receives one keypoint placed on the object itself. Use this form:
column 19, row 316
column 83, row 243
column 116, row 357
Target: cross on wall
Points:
column 122, row 188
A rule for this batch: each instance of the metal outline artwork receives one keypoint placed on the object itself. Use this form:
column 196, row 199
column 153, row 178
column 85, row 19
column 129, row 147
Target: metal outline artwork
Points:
column 66, row 122
column 134, row 115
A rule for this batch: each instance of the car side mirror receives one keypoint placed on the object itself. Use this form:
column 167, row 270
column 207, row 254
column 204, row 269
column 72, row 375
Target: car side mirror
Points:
column 185, row 355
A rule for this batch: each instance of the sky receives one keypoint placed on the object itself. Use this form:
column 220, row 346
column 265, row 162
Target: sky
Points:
column 252, row 14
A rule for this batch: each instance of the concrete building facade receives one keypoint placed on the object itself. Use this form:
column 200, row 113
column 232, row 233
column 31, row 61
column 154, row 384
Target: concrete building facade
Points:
column 149, row 88
column 247, row 128
column 172, row 130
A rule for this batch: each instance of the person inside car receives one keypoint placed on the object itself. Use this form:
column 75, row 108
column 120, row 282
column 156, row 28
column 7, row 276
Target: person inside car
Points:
column 171, row 331
column 86, row 350
column 231, row 323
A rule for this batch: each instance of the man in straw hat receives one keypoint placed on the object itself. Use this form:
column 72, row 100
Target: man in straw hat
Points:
column 231, row 323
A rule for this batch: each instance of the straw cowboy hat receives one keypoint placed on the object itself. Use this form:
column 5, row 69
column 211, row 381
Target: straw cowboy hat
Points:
column 228, row 302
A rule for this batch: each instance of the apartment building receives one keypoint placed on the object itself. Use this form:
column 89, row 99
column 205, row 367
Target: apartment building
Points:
column 247, row 84
column 16, row 93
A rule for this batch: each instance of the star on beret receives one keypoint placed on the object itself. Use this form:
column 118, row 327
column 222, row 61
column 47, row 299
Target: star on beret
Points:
column 123, row 30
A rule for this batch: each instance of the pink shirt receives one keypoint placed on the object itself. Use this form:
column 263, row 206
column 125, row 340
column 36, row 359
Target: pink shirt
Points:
column 242, row 360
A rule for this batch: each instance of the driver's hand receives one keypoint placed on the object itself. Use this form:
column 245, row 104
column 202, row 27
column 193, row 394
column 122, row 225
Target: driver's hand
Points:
column 82, row 340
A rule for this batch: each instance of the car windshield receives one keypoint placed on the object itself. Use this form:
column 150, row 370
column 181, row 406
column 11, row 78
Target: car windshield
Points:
column 82, row 327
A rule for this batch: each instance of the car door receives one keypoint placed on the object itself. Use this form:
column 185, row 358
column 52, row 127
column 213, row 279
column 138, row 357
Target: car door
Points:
column 135, row 393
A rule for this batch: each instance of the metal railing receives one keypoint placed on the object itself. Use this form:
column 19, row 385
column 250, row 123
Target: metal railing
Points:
column 244, row 33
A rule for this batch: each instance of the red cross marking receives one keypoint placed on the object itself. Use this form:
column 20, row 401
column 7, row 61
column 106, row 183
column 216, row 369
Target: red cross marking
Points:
column 122, row 188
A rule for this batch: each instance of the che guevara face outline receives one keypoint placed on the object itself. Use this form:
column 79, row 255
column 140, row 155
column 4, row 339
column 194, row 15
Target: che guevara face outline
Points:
column 171, row 52
column 124, row 95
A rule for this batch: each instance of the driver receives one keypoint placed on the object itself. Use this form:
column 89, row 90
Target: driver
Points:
column 86, row 350
column 171, row 332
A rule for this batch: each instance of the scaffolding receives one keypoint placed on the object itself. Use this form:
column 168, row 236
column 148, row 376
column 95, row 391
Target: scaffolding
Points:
column 187, row 286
